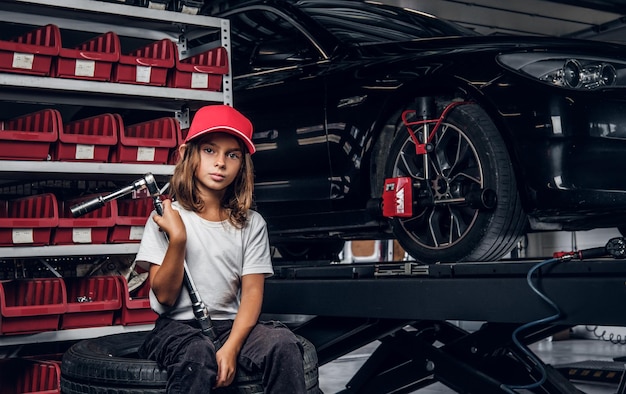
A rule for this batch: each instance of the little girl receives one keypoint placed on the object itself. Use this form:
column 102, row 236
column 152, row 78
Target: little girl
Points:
column 209, row 224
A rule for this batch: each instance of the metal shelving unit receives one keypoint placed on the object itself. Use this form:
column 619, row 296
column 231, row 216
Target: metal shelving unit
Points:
column 132, row 24
column 127, row 21
column 99, row 17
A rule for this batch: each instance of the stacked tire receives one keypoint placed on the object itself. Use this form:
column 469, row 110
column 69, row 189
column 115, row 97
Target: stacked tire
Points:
column 110, row 365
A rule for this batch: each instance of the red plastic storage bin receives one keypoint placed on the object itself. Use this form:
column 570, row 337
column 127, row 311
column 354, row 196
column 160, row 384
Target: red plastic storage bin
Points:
column 202, row 71
column 91, row 301
column 29, row 137
column 31, row 305
column 89, row 139
column 93, row 59
column 32, row 52
column 130, row 220
column 147, row 142
column 90, row 228
column 27, row 376
column 136, row 308
column 28, row 220
column 147, row 65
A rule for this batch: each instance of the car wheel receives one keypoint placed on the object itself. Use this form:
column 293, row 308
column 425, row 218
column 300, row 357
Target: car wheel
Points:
column 311, row 250
column 467, row 203
column 110, row 365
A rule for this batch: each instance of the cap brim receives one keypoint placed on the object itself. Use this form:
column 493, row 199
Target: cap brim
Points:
column 226, row 129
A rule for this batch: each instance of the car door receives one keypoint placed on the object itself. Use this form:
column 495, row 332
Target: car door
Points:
column 277, row 84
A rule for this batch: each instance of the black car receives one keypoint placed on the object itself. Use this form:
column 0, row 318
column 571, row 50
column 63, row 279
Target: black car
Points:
column 376, row 122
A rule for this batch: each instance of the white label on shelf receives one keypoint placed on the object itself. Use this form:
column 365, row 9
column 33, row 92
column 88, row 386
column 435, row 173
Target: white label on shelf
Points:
column 145, row 153
column 136, row 232
column 85, row 68
column 199, row 80
column 23, row 236
column 23, row 60
column 81, row 235
column 85, row 152
column 143, row 74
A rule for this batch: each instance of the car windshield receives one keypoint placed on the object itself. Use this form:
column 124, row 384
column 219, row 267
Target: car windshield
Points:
column 363, row 23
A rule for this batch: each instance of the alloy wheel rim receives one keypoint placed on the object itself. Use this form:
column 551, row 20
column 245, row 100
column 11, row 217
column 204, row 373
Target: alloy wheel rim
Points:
column 455, row 168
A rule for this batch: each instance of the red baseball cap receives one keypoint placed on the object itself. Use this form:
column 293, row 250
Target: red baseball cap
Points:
column 221, row 118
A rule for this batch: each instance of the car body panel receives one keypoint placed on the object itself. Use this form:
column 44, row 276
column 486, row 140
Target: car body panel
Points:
column 322, row 115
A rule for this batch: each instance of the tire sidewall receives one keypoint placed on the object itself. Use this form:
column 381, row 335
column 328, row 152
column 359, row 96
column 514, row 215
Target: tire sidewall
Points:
column 110, row 364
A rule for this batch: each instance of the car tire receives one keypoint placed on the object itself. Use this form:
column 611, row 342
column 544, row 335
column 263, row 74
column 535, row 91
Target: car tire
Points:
column 111, row 365
column 468, row 154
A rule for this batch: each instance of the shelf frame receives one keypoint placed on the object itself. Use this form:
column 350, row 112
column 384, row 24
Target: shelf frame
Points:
column 101, row 17
column 127, row 21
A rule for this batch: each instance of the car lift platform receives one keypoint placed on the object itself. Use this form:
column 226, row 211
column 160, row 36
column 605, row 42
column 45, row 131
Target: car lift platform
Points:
column 408, row 308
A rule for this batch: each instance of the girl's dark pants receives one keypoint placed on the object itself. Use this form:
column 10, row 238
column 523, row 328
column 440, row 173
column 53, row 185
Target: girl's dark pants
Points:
column 189, row 356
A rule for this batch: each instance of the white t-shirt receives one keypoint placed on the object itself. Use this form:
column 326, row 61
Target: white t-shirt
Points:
column 217, row 255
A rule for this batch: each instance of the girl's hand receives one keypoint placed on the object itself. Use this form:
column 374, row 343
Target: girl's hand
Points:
column 226, row 366
column 171, row 223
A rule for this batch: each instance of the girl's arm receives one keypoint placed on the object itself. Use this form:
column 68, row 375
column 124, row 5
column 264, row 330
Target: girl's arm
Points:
column 247, row 317
column 167, row 279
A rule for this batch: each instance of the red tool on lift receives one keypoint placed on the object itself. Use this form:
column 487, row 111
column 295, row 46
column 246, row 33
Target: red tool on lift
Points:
column 398, row 197
column 615, row 247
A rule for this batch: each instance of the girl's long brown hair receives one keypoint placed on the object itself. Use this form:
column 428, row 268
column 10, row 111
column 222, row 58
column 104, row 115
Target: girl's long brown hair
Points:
column 238, row 197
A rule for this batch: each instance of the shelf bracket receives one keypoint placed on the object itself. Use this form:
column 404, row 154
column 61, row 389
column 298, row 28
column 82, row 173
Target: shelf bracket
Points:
column 183, row 118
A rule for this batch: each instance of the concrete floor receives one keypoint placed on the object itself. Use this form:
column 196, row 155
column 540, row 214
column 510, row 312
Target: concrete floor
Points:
column 335, row 375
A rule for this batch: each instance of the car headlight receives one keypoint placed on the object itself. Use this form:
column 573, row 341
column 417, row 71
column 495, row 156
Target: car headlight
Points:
column 576, row 72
